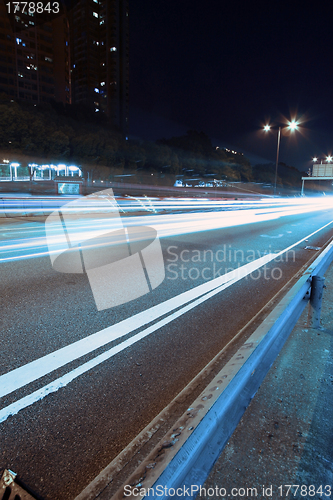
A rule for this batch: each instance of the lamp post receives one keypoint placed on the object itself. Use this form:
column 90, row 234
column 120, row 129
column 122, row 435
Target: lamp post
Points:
column 293, row 125
column 15, row 165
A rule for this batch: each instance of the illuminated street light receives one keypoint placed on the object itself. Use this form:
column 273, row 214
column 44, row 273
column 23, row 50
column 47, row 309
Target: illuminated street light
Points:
column 15, row 165
column 314, row 160
column 329, row 159
column 293, row 125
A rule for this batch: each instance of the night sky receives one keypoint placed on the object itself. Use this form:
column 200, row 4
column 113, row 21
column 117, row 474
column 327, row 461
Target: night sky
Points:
column 227, row 68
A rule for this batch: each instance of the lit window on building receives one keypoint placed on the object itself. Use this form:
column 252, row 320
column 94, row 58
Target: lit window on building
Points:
column 95, row 14
column 113, row 49
column 102, row 84
column 96, row 90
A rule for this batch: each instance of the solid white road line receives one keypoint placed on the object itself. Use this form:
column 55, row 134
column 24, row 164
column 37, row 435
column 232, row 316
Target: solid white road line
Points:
column 57, row 384
column 32, row 371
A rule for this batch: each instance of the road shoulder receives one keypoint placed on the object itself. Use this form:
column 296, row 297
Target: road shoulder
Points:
column 286, row 434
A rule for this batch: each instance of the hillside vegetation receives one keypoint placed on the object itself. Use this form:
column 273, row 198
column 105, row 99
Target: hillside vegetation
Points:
column 53, row 134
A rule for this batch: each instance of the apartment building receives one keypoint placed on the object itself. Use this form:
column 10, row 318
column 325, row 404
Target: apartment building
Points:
column 74, row 53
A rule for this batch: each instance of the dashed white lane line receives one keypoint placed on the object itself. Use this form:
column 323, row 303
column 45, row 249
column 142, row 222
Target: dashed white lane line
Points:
column 271, row 236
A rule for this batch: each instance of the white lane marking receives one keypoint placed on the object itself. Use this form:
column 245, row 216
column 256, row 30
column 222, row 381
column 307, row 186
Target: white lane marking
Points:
column 54, row 386
column 63, row 381
column 303, row 239
column 269, row 236
column 25, row 374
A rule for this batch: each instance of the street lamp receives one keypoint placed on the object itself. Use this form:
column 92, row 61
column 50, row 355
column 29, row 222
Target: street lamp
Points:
column 15, row 165
column 293, row 125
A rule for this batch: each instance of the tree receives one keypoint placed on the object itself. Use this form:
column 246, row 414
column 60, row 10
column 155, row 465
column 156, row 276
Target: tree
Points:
column 58, row 145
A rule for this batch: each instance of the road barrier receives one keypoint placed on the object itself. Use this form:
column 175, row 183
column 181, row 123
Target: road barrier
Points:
column 183, row 459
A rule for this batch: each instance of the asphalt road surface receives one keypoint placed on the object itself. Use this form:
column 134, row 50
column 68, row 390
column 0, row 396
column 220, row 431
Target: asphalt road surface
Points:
column 78, row 383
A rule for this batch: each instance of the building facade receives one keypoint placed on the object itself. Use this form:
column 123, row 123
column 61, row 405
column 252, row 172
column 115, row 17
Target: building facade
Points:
column 75, row 55
column 34, row 54
column 99, row 48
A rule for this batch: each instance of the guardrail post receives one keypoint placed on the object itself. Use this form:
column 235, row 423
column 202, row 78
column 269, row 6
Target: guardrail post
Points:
column 317, row 287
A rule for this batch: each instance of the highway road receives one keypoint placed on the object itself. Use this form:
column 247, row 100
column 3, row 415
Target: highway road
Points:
column 78, row 382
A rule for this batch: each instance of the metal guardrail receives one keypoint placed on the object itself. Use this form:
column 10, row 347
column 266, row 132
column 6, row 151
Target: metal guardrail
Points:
column 183, row 459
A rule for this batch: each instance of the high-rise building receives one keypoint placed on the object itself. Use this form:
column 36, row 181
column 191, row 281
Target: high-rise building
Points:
column 77, row 55
column 34, row 53
column 99, row 48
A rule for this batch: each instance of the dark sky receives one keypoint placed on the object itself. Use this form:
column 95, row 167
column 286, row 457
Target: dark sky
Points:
column 225, row 68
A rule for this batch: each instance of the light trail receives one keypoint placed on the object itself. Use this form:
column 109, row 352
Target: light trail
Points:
column 171, row 309
column 33, row 205
column 165, row 224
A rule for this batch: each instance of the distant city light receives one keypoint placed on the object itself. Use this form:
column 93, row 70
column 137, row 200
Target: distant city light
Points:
column 267, row 128
column 314, row 160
